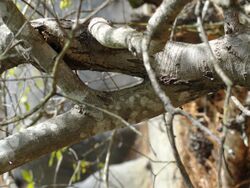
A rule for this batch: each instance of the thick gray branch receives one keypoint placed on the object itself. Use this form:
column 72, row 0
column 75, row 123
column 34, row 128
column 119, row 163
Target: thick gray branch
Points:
column 126, row 37
column 185, row 69
column 43, row 138
column 190, row 63
column 13, row 58
column 43, row 54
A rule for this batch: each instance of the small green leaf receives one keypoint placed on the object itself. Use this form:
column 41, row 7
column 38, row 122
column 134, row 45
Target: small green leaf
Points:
column 59, row 155
column 64, row 149
column 20, row 85
column 27, row 106
column 51, row 159
column 27, row 176
column 84, row 170
column 39, row 83
column 100, row 165
column 84, row 165
column 11, row 72
column 27, row 90
column 31, row 185
column 65, row 4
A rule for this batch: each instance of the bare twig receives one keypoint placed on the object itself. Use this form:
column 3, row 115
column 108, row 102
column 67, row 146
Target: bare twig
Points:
column 223, row 76
column 240, row 106
column 58, row 165
column 24, row 79
column 104, row 111
column 153, row 26
column 105, row 175
column 77, row 168
column 28, row 4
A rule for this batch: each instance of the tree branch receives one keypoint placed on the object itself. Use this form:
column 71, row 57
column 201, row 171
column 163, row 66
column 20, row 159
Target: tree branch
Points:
column 36, row 141
column 185, row 71
column 43, row 54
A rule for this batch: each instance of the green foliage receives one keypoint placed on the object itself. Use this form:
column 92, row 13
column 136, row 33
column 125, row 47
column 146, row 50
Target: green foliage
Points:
column 82, row 170
column 59, row 155
column 77, row 175
column 28, row 177
column 56, row 155
column 100, row 165
column 11, row 72
column 65, row 4
column 24, row 99
column 51, row 159
column 39, row 83
column 84, row 166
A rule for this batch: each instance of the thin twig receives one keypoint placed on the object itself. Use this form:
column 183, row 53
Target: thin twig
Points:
column 32, row 7
column 58, row 165
column 240, row 106
column 105, row 175
column 105, row 112
column 24, row 79
column 160, row 93
column 225, row 79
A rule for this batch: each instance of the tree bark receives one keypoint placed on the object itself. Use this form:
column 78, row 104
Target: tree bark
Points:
column 184, row 70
